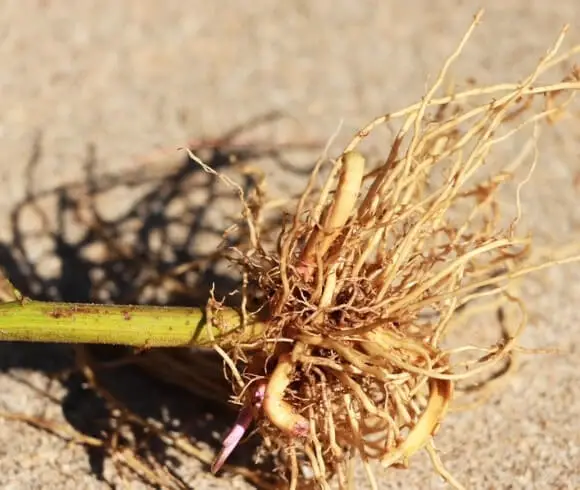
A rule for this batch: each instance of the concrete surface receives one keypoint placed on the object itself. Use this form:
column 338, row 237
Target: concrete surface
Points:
column 98, row 87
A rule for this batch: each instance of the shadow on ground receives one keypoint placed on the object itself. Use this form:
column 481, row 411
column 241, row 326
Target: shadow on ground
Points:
column 144, row 236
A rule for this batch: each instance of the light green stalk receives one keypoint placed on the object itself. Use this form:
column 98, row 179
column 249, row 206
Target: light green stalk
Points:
column 140, row 326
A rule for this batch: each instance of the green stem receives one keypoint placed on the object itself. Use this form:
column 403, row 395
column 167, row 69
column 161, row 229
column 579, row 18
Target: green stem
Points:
column 140, row 326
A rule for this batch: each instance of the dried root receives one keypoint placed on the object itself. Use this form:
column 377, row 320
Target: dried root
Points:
column 369, row 276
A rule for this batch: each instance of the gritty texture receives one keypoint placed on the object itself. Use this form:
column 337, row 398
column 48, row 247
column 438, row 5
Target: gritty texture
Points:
column 94, row 88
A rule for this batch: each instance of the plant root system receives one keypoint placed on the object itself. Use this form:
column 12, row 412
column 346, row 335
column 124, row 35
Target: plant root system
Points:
column 371, row 271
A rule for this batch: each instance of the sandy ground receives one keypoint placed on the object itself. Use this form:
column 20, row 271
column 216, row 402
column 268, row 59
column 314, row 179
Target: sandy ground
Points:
column 92, row 88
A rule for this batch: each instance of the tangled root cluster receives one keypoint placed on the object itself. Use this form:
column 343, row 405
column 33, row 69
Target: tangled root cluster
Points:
column 368, row 276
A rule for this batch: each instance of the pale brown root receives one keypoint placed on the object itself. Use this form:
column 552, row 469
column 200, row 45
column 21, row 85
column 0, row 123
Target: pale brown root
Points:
column 366, row 285
column 440, row 468
column 440, row 393
column 348, row 188
column 293, row 469
column 279, row 412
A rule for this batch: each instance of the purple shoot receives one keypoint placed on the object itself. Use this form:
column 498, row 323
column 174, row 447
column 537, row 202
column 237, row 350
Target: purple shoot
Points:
column 240, row 427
